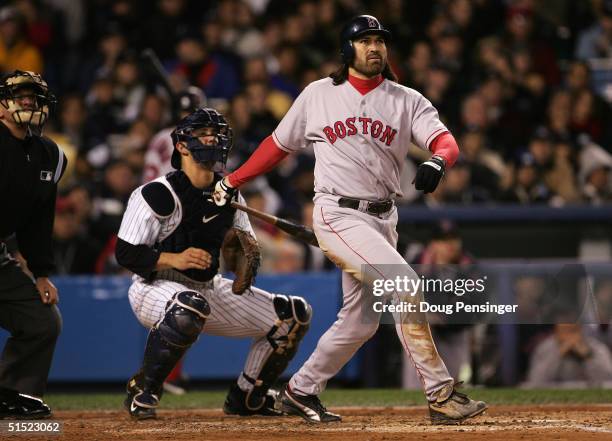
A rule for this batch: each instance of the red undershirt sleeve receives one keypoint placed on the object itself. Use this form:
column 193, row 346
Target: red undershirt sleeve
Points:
column 445, row 146
column 263, row 159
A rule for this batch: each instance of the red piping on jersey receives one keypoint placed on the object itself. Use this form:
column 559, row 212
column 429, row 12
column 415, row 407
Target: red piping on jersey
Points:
column 444, row 145
column 398, row 325
column 434, row 135
column 264, row 159
column 365, row 86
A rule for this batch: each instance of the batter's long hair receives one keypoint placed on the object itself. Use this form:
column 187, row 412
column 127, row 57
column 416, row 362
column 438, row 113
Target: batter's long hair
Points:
column 341, row 75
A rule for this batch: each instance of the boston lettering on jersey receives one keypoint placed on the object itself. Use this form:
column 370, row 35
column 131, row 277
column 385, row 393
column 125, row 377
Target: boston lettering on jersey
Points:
column 365, row 126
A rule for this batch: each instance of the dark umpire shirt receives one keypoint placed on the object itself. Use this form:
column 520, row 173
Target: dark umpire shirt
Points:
column 29, row 172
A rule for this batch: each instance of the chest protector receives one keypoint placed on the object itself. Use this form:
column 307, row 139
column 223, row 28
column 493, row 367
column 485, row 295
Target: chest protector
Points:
column 203, row 224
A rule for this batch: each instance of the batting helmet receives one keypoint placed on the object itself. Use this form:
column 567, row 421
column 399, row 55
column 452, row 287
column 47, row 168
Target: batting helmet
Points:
column 358, row 26
column 202, row 118
column 190, row 99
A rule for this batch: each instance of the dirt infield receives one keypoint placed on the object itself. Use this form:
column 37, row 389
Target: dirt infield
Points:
column 576, row 423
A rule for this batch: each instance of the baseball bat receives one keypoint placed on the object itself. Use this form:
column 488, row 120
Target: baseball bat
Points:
column 161, row 76
column 300, row 232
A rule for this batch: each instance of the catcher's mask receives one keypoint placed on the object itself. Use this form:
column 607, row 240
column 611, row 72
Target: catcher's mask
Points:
column 192, row 126
column 18, row 85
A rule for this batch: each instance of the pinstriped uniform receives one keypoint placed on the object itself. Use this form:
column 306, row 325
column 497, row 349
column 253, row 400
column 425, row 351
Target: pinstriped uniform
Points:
column 251, row 314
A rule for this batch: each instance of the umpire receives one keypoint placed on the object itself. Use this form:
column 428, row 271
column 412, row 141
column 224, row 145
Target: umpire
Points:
column 30, row 167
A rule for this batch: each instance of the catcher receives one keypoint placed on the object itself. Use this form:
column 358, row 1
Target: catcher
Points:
column 171, row 237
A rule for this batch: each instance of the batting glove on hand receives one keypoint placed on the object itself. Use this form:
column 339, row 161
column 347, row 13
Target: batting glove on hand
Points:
column 429, row 174
column 223, row 192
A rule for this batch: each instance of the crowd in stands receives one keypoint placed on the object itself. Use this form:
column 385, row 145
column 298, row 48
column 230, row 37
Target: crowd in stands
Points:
column 518, row 82
column 525, row 86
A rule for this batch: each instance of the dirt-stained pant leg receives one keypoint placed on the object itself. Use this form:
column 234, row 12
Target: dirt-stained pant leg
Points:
column 353, row 239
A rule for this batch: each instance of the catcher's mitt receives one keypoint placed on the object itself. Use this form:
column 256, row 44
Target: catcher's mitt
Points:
column 242, row 257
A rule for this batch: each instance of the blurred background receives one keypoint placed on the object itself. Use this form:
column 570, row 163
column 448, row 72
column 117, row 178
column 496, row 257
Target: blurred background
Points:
column 524, row 85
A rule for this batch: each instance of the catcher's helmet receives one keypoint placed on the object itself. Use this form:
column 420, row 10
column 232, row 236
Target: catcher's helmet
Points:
column 184, row 132
column 12, row 86
column 358, row 26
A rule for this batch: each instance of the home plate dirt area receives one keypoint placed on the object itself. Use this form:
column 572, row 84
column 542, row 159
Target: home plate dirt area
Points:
column 541, row 422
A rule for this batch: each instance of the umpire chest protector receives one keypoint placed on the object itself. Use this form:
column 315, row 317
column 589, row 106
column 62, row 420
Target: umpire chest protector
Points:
column 202, row 224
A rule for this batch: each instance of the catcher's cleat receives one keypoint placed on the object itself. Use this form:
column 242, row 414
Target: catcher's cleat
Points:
column 308, row 407
column 236, row 404
column 143, row 405
column 453, row 407
column 132, row 388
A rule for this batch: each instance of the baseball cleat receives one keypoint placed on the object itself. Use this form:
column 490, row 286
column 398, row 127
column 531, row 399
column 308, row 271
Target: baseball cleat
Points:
column 23, row 407
column 142, row 406
column 236, row 404
column 132, row 388
column 453, row 407
column 308, row 407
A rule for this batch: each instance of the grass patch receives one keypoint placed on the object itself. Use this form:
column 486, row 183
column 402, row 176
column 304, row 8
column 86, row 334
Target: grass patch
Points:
column 341, row 397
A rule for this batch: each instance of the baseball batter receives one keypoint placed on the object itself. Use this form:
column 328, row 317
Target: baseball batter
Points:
column 360, row 122
column 171, row 236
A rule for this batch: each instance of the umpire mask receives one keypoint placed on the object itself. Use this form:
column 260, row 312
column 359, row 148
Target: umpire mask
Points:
column 27, row 98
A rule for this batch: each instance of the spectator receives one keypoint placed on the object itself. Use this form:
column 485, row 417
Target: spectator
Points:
column 214, row 74
column 16, row 52
column 240, row 35
column 584, row 117
column 159, row 150
column 601, row 327
column 164, row 27
column 578, row 77
column 79, row 196
column 528, row 186
column 417, row 66
column 553, row 166
column 72, row 117
column 449, row 49
column 595, row 168
column 457, row 188
column 569, row 356
column 596, row 42
column 128, row 89
column 100, row 64
column 524, row 29
column 74, row 251
column 483, row 160
column 110, row 201
column 559, row 114
column 289, row 66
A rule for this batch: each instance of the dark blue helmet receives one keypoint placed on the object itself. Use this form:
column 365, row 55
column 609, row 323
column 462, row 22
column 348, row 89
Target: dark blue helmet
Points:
column 202, row 118
column 358, row 26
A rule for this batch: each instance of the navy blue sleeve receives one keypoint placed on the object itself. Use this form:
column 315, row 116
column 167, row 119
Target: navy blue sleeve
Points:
column 140, row 259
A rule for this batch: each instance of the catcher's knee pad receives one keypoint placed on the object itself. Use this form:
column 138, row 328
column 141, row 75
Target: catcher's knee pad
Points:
column 296, row 313
column 185, row 316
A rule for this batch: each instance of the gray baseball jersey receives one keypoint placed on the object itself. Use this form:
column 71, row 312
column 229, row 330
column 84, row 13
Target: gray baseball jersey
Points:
column 360, row 141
